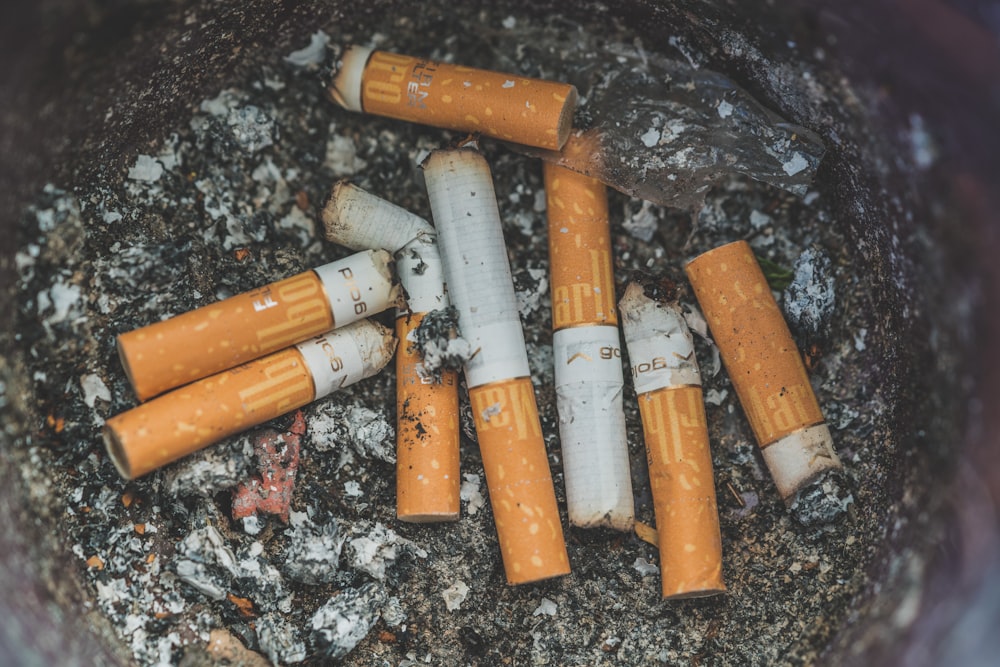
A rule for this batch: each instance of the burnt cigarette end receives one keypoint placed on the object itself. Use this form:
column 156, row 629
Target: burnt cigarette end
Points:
column 822, row 500
column 439, row 344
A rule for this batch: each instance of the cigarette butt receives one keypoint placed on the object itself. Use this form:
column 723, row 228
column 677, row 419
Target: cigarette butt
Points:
column 427, row 426
column 504, row 106
column 223, row 335
column 668, row 384
column 764, row 365
column 360, row 220
column 463, row 202
column 587, row 351
column 191, row 418
column 519, row 481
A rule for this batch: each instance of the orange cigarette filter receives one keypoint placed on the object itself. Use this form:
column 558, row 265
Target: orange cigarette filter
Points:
column 504, row 106
column 680, row 477
column 764, row 365
column 222, row 335
column 520, row 484
column 188, row 419
column 427, row 455
column 583, row 286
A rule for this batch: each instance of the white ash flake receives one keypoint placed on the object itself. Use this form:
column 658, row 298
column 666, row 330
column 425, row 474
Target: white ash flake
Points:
column 650, row 138
column 211, row 470
column 342, row 155
column 436, row 356
column 312, row 55
column 507, row 84
column 716, row 396
column 93, row 389
column 759, row 220
column 859, row 339
column 352, row 489
column 533, row 296
column 725, row 109
column 314, row 548
column 644, row 567
column 63, row 298
column 147, row 169
column 643, row 223
column 455, row 595
column 367, row 432
column 252, row 525
column 278, row 640
column 221, row 103
column 796, row 164
column 545, row 607
column 298, row 221
column 377, row 551
column 470, row 493
column 346, row 619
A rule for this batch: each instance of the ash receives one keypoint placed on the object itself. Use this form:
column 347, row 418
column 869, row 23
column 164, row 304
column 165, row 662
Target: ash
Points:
column 439, row 343
column 229, row 202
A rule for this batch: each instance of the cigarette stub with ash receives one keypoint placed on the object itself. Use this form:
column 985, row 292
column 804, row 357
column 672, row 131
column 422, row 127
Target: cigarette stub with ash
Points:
column 464, row 206
column 668, row 384
column 197, row 415
column 766, row 370
column 427, row 446
column 504, row 106
column 587, row 351
column 222, row 335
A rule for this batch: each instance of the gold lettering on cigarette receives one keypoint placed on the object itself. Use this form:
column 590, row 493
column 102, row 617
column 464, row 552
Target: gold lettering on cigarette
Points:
column 495, row 407
column 354, row 290
column 284, row 384
column 305, row 306
column 781, row 411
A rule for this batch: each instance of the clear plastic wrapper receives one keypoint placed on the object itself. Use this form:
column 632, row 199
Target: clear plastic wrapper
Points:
column 664, row 131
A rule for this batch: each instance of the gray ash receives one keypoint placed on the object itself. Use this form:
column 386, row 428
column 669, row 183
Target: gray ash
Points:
column 823, row 500
column 810, row 299
column 440, row 344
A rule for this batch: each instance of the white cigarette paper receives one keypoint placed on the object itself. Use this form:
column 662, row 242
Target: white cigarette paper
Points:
column 480, row 285
column 359, row 285
column 589, row 382
column 347, row 355
column 360, row 220
column 660, row 345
